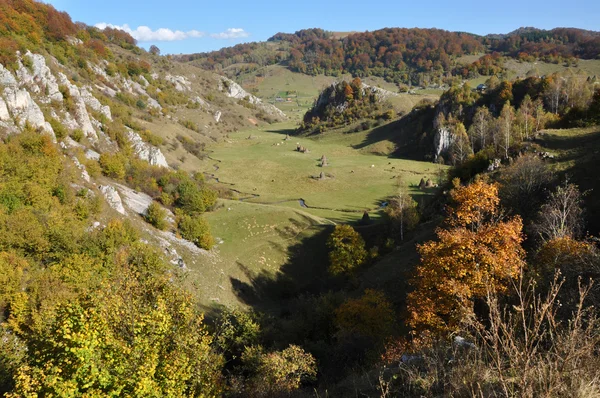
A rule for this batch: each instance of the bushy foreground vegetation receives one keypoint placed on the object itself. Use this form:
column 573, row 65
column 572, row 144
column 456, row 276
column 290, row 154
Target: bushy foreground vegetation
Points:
column 96, row 312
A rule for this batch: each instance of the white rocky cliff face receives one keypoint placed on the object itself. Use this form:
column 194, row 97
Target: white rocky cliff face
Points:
column 17, row 108
column 442, row 141
column 39, row 78
column 81, row 114
column 145, row 151
column 113, row 198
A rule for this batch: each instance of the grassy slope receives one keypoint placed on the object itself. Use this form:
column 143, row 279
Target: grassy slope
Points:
column 588, row 67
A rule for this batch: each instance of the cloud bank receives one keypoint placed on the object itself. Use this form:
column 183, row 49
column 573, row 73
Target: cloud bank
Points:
column 231, row 33
column 145, row 34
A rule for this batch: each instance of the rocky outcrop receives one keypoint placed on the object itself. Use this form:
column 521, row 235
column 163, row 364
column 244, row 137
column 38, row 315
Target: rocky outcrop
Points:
column 17, row 108
column 137, row 89
column 145, row 151
column 138, row 202
column 381, row 93
column 145, row 82
column 92, row 155
column 92, row 102
column 24, row 110
column 203, row 104
column 98, row 70
column 81, row 114
column 6, row 78
column 113, row 198
column 39, row 78
column 234, row 90
column 4, row 115
column 442, row 141
column 84, row 174
column 181, row 83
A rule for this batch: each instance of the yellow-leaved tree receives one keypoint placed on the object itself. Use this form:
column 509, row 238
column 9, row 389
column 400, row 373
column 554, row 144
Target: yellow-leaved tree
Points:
column 477, row 251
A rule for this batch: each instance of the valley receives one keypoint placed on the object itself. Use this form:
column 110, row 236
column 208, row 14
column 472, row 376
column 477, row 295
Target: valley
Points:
column 280, row 200
column 400, row 212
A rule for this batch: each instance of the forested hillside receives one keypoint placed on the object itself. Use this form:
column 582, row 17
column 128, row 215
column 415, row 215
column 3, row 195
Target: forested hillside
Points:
column 408, row 56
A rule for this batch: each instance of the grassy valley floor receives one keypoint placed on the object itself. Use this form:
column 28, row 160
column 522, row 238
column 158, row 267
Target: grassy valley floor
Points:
column 266, row 231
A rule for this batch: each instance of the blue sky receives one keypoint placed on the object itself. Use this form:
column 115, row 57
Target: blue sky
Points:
column 186, row 26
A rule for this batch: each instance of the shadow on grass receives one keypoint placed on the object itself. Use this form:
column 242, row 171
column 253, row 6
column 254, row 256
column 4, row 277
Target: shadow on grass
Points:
column 408, row 134
column 305, row 272
column 289, row 132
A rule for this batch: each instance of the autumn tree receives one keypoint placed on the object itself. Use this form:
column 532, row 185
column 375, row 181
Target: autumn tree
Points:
column 561, row 216
column 525, row 114
column 522, row 183
column 479, row 130
column 476, row 251
column 277, row 373
column 139, row 333
column 402, row 210
column 505, row 126
column 196, row 230
column 346, row 250
column 461, row 148
column 156, row 216
column 154, row 50
column 371, row 316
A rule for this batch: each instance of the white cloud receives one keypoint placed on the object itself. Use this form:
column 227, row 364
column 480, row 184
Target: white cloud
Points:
column 145, row 34
column 231, row 33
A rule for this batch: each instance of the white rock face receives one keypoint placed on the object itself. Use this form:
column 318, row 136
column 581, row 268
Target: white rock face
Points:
column 113, row 198
column 138, row 202
column 74, row 41
column 71, row 143
column 234, row 90
column 145, row 82
column 137, row 89
column 381, row 93
column 442, row 141
column 6, row 78
column 92, row 155
column 98, row 70
column 40, row 79
column 145, row 151
column 4, row 115
column 218, row 115
column 84, row 173
column 202, row 103
column 107, row 91
column 181, row 83
column 92, row 102
column 81, row 114
column 22, row 107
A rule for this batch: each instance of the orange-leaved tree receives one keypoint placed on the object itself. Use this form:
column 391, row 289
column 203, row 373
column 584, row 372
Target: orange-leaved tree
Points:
column 477, row 251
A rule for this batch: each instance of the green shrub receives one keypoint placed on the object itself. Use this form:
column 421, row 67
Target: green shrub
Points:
column 156, row 216
column 59, row 130
column 193, row 199
column 113, row 165
column 196, row 230
column 77, row 135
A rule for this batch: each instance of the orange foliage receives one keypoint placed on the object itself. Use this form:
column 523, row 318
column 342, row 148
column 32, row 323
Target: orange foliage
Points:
column 369, row 316
column 565, row 251
column 473, row 205
column 476, row 253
